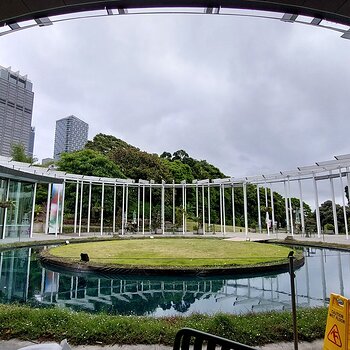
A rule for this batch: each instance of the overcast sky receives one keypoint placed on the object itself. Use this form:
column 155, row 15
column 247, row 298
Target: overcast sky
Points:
column 250, row 96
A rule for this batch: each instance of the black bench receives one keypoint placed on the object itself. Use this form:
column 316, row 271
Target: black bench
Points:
column 201, row 340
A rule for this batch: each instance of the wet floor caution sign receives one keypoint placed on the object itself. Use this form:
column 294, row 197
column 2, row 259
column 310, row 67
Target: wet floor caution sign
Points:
column 337, row 328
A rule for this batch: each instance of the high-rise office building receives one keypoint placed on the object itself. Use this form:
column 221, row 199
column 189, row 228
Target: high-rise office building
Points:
column 71, row 135
column 16, row 107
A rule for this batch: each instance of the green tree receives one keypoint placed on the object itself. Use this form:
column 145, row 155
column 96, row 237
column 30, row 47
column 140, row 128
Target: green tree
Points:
column 180, row 155
column 18, row 154
column 326, row 215
column 89, row 162
column 166, row 155
column 93, row 163
column 179, row 171
column 133, row 162
column 105, row 144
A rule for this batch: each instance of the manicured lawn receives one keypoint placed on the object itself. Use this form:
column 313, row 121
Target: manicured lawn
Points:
column 166, row 252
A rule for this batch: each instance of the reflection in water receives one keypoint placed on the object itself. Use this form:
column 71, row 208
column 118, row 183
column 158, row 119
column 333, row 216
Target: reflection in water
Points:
column 22, row 279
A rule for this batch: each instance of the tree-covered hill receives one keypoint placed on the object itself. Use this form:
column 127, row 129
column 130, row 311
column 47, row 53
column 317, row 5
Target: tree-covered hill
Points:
column 137, row 164
column 108, row 156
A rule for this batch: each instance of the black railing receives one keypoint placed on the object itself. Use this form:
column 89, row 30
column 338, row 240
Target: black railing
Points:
column 201, row 340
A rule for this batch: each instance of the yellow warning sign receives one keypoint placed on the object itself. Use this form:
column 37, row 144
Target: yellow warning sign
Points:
column 334, row 336
column 337, row 328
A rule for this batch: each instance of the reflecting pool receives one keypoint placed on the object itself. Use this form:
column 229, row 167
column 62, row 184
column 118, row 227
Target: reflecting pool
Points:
column 23, row 280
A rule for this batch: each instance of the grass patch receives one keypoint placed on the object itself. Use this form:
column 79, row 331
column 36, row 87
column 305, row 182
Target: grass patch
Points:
column 81, row 328
column 171, row 252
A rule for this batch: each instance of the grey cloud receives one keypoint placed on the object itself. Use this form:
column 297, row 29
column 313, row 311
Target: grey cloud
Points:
column 249, row 96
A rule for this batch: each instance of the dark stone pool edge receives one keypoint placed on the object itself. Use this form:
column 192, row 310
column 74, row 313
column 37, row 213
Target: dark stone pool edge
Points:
column 50, row 262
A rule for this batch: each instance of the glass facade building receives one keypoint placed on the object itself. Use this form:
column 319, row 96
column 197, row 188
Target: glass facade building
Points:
column 71, row 135
column 16, row 108
column 16, row 205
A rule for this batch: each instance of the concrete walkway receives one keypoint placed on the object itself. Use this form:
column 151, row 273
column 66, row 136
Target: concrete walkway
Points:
column 15, row 344
column 239, row 236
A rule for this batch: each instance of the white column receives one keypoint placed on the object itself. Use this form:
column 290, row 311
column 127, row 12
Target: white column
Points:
column 143, row 209
column 17, row 199
column 301, row 208
column 33, row 213
column 273, row 210
column 47, row 209
column 344, row 206
column 62, row 204
column 183, row 208
column 162, row 207
column 150, row 207
column 220, row 196
column 334, row 208
column 286, row 206
column 126, row 203
column 57, row 213
column 203, row 209
column 267, row 213
column 123, row 209
column 76, row 207
column 259, row 207
column 245, row 204
column 209, row 221
column 197, row 210
column 185, row 228
column 223, row 209
column 173, row 204
column 290, row 208
column 102, row 206
column 114, row 205
column 89, row 208
column 138, row 208
column 233, row 209
column 81, row 206
column 318, row 220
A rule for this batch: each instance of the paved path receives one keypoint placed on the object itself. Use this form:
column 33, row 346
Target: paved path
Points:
column 15, row 344
column 239, row 236
column 316, row 345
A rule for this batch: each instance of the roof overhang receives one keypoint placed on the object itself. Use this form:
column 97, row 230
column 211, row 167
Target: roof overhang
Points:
column 14, row 11
column 19, row 175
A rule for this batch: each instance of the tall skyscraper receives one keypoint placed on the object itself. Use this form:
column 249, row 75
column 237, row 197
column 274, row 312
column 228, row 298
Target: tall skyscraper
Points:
column 71, row 135
column 16, row 107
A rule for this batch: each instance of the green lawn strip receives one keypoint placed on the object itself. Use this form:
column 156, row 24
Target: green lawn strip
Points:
column 19, row 244
column 167, row 252
column 80, row 328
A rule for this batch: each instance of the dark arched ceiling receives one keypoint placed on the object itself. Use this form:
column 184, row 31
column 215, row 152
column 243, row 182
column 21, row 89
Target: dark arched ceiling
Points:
column 14, row 11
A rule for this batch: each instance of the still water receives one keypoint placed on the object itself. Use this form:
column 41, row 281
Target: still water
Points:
column 23, row 280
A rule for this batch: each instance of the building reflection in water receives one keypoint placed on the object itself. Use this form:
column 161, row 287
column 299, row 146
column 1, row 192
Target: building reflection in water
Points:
column 23, row 280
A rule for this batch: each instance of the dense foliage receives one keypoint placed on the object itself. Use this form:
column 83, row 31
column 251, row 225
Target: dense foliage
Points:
column 18, row 154
column 107, row 156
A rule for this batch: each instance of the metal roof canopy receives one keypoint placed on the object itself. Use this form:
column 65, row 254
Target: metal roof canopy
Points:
column 28, row 172
column 19, row 175
column 14, row 11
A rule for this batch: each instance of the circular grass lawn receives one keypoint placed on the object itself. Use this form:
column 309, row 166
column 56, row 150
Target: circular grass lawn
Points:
column 170, row 253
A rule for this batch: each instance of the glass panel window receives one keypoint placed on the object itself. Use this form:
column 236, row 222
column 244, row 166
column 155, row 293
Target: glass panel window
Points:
column 19, row 213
